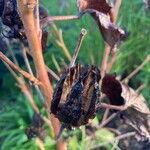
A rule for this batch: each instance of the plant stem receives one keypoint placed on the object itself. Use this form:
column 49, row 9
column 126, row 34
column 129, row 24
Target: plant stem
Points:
column 51, row 19
column 104, row 105
column 51, row 72
column 105, row 122
column 61, row 42
column 126, row 80
column 26, row 11
column 28, row 19
column 17, row 68
column 108, row 49
column 77, row 49
column 112, row 60
column 113, row 14
column 30, row 71
column 105, row 60
column 140, row 88
column 26, row 92
column 21, row 84
column 105, row 116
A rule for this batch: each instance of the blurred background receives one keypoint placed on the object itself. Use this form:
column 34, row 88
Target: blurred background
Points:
column 16, row 112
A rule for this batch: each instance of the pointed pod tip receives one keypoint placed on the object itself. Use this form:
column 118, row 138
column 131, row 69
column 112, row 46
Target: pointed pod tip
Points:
column 83, row 31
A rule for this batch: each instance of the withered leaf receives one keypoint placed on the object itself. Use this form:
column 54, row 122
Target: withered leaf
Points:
column 112, row 88
column 134, row 99
column 137, row 113
column 139, row 121
column 100, row 10
column 121, row 94
column 97, row 5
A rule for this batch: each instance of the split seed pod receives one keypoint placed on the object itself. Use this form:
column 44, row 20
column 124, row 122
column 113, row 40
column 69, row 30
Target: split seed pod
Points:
column 75, row 95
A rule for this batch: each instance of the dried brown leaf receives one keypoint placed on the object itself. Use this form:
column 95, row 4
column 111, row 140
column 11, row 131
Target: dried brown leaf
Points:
column 134, row 99
column 101, row 12
column 97, row 5
column 112, row 88
column 137, row 113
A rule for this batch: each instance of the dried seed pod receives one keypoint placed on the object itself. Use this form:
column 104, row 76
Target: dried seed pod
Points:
column 10, row 18
column 36, row 129
column 76, row 94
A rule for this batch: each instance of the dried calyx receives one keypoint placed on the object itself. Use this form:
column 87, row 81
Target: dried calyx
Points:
column 76, row 95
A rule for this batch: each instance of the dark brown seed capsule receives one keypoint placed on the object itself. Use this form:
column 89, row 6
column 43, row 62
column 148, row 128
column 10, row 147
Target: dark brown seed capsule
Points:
column 76, row 94
column 10, row 18
column 36, row 128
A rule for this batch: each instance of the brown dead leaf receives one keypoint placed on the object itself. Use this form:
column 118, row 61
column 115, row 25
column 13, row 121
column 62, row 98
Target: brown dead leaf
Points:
column 112, row 88
column 134, row 99
column 137, row 112
column 100, row 10
column 97, row 5
column 121, row 94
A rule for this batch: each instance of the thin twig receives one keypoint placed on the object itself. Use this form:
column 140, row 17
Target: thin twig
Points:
column 52, row 73
column 40, row 143
column 113, row 14
column 113, row 130
column 56, row 63
column 21, row 81
column 108, row 120
column 126, row 80
column 61, row 42
column 140, row 88
column 105, row 60
column 26, row 12
column 115, row 11
column 25, row 90
column 23, row 87
column 17, row 68
column 116, row 8
column 77, row 49
column 104, row 105
column 30, row 71
column 112, row 59
column 105, row 116
column 51, row 19
column 10, row 70
column 28, row 18
column 126, row 135
column 118, row 138
column 13, row 55
column 26, row 60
